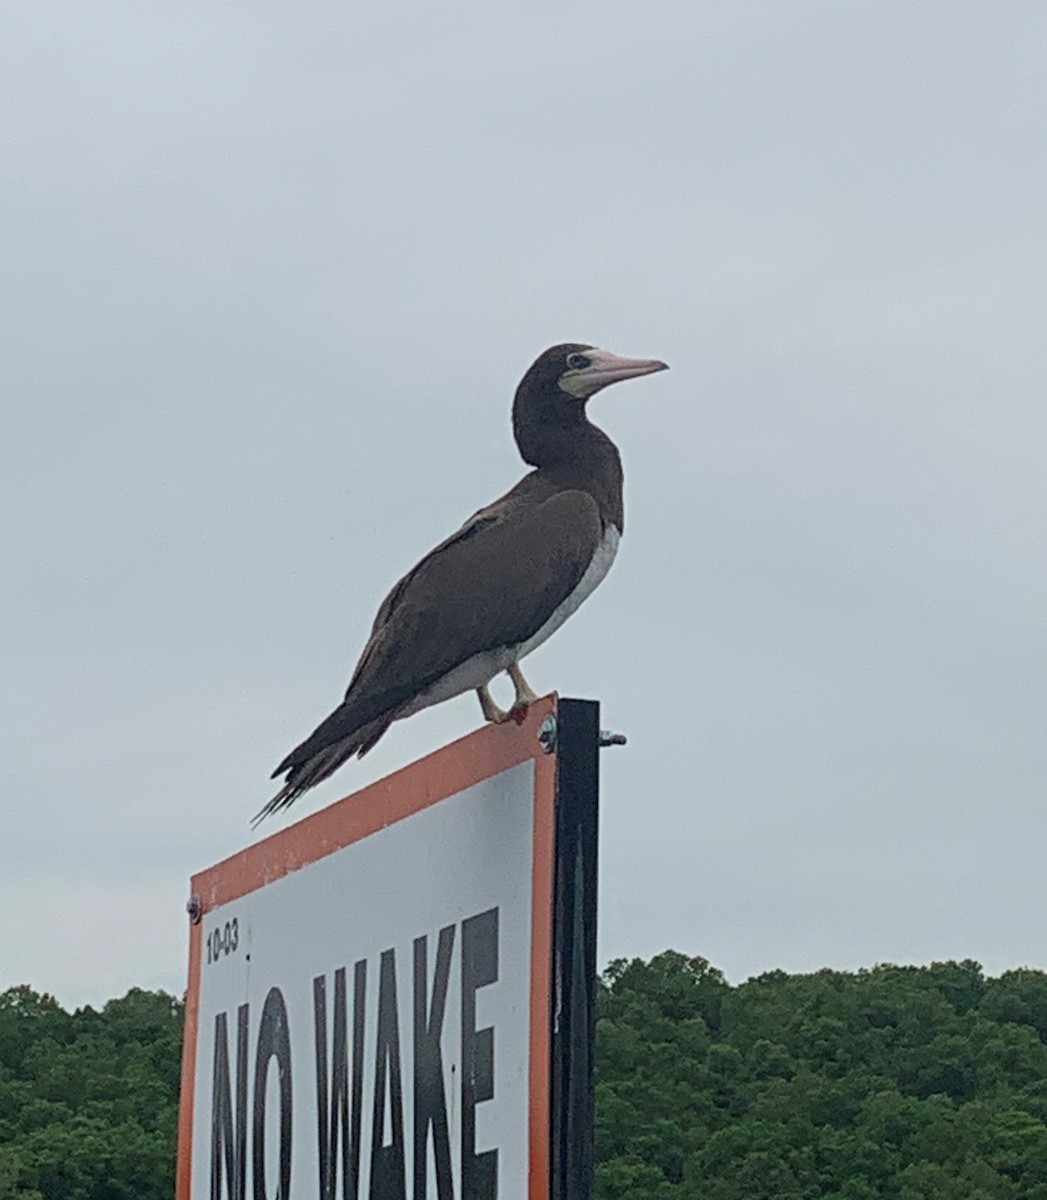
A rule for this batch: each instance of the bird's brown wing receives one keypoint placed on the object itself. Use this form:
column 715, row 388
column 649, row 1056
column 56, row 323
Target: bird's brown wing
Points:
column 493, row 583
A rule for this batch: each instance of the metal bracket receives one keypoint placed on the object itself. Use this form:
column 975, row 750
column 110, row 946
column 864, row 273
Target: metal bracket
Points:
column 195, row 909
column 547, row 735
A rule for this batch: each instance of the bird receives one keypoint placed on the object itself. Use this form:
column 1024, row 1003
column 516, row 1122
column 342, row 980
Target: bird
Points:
column 499, row 586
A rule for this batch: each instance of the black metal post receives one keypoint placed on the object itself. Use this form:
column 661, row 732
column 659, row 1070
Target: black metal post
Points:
column 574, row 949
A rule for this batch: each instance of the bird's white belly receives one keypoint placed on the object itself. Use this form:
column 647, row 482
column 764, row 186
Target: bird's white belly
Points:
column 474, row 673
column 594, row 575
column 479, row 670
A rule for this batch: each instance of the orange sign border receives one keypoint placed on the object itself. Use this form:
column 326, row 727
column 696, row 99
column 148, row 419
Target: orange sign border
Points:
column 462, row 764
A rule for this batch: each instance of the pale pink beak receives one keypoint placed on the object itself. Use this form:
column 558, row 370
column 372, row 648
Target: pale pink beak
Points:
column 606, row 368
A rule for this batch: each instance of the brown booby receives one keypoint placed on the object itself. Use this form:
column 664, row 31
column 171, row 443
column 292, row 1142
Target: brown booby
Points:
column 495, row 590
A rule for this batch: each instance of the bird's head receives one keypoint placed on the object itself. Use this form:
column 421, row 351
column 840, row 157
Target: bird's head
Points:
column 579, row 371
column 551, row 399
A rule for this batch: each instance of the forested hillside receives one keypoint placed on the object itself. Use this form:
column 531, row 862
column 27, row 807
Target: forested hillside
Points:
column 915, row 1083
column 910, row 1083
column 88, row 1100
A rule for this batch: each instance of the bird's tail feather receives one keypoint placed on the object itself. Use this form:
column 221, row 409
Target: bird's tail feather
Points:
column 324, row 762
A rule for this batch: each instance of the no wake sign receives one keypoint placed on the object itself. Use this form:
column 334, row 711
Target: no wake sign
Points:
column 392, row 999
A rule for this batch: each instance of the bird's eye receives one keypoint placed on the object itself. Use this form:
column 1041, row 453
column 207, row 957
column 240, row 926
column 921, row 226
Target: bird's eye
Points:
column 578, row 362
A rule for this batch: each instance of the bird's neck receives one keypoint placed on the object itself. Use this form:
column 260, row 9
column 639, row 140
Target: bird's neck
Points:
column 568, row 449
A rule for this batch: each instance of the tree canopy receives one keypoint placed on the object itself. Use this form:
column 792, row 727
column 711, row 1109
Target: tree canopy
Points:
column 907, row 1083
column 89, row 1099
column 904, row 1082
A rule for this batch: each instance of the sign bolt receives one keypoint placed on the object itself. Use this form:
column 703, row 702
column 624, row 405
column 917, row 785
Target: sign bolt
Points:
column 547, row 733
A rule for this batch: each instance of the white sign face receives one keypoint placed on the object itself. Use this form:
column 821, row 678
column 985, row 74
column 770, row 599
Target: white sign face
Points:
column 365, row 1021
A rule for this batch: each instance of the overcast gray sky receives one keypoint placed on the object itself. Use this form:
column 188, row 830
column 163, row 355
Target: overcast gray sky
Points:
column 270, row 276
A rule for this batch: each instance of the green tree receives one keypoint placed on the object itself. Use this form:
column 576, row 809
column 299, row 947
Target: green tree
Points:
column 899, row 1082
column 88, row 1100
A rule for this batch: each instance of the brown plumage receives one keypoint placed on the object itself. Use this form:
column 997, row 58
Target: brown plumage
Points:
column 501, row 584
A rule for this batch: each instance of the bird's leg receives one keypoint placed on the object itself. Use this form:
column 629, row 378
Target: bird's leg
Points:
column 491, row 710
column 524, row 694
